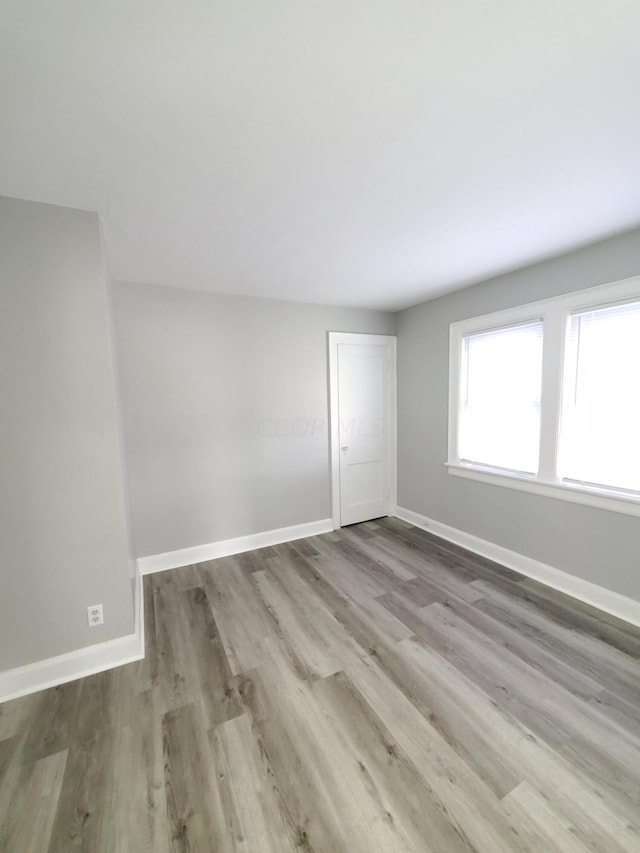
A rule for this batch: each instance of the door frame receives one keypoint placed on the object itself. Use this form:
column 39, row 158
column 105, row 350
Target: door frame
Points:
column 334, row 339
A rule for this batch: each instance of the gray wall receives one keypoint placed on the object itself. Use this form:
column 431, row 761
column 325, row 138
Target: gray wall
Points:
column 117, row 385
column 225, row 410
column 62, row 530
column 597, row 545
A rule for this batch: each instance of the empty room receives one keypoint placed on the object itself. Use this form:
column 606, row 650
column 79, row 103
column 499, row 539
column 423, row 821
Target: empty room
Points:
column 320, row 458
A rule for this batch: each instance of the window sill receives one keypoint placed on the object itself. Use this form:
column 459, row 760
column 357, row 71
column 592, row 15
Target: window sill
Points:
column 601, row 499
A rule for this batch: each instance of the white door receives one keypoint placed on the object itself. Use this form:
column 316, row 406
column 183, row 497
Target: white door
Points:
column 363, row 426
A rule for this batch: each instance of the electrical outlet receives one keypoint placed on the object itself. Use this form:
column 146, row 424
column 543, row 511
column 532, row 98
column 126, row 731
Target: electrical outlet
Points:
column 95, row 615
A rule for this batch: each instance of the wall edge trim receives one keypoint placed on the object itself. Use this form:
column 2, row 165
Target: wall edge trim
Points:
column 51, row 672
column 228, row 547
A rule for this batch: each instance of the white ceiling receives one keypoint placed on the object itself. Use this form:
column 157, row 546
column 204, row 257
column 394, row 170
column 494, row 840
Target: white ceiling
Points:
column 361, row 152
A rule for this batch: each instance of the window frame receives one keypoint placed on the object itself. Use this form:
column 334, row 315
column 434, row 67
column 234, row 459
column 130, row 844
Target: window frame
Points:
column 555, row 313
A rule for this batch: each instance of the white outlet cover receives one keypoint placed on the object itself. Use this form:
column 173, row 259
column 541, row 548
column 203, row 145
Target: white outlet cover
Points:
column 95, row 615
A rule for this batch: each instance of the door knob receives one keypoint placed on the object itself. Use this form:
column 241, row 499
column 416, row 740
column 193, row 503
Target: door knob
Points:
column 344, row 448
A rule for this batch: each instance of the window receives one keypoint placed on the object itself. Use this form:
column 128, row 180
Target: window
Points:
column 501, row 377
column 546, row 397
column 600, row 436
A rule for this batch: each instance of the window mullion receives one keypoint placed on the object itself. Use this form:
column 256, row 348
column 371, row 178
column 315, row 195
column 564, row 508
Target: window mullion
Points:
column 555, row 332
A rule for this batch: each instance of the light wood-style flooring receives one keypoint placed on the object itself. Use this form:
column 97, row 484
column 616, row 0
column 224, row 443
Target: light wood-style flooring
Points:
column 373, row 689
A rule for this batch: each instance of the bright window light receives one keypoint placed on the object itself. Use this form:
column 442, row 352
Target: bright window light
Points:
column 545, row 397
column 600, row 434
column 500, row 397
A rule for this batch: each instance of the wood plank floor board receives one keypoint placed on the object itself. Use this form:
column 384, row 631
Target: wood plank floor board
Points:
column 231, row 594
column 255, row 815
column 371, row 689
column 31, row 832
column 576, row 615
column 426, row 542
column 16, row 727
column 8, row 747
column 185, row 578
column 530, row 698
column 135, row 816
column 443, row 553
column 389, row 576
column 516, row 644
column 393, row 781
column 624, row 713
column 249, row 561
column 305, row 547
column 344, row 574
column 582, row 616
column 398, row 564
column 194, row 808
column 460, row 725
column 153, row 790
column 454, row 578
column 328, row 802
column 80, row 816
column 596, row 746
column 312, row 654
column 320, row 642
column 15, row 772
column 57, row 714
column 522, row 754
column 525, row 805
column 177, row 678
column 612, row 668
column 309, row 591
column 457, row 791
column 357, row 610
column 13, row 715
column 213, row 673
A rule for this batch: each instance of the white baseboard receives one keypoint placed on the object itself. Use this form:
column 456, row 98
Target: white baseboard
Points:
column 77, row 664
column 604, row 599
column 227, row 547
column 69, row 667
